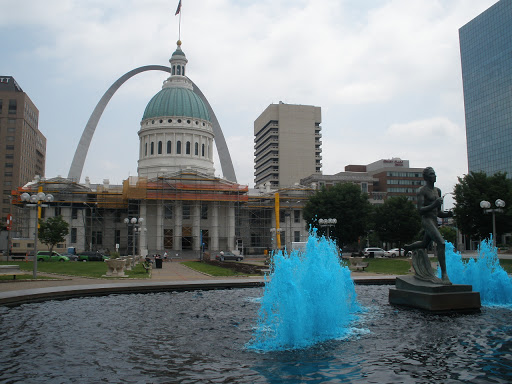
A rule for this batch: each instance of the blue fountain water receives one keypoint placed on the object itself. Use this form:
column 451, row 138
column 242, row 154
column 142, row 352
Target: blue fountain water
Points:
column 309, row 297
column 484, row 273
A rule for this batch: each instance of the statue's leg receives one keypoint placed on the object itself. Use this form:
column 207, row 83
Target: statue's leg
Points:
column 418, row 244
column 441, row 256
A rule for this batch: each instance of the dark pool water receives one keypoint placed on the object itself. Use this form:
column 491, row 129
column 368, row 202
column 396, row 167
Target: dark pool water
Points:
column 199, row 337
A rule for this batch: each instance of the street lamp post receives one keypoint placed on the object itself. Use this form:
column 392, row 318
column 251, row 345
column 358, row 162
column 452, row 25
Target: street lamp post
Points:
column 135, row 222
column 327, row 223
column 35, row 201
column 486, row 206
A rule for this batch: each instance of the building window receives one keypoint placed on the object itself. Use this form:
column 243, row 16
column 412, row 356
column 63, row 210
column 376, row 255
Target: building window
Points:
column 202, row 150
column 10, row 138
column 97, row 237
column 178, row 147
column 12, row 106
column 364, row 187
column 188, row 148
column 296, row 216
column 179, row 70
column 196, row 149
column 58, row 211
column 9, row 165
column 73, row 235
column 159, row 147
column 9, row 147
column 204, row 212
column 117, row 237
column 74, row 213
column 281, row 216
column 186, row 211
column 169, row 146
column 8, row 174
column 152, row 148
column 173, row 70
column 145, row 149
column 296, row 236
column 9, row 156
column 11, row 129
column 168, row 211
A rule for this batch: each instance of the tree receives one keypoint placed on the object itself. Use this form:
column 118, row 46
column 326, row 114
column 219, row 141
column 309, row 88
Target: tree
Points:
column 343, row 202
column 52, row 231
column 449, row 234
column 397, row 220
column 470, row 191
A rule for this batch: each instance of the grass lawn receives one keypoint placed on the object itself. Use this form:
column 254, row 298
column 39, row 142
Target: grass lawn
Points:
column 506, row 264
column 388, row 266
column 211, row 269
column 74, row 268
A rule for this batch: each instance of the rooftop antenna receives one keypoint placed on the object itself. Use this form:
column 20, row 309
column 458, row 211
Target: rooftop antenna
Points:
column 178, row 10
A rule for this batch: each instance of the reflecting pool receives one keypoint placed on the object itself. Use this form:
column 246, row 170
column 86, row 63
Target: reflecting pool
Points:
column 192, row 337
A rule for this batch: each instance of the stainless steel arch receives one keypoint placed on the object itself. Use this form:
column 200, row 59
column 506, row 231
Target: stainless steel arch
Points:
column 77, row 165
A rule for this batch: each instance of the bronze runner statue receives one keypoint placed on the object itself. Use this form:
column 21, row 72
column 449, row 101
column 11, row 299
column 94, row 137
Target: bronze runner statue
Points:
column 429, row 206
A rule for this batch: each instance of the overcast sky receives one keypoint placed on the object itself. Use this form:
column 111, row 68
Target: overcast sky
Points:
column 386, row 74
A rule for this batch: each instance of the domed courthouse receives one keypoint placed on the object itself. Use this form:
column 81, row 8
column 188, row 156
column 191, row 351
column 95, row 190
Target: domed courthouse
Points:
column 175, row 203
column 185, row 207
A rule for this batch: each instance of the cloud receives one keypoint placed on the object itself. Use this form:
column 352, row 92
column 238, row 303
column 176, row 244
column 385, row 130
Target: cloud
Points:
column 432, row 129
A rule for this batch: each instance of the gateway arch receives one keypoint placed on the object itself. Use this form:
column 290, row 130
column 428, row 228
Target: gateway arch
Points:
column 77, row 166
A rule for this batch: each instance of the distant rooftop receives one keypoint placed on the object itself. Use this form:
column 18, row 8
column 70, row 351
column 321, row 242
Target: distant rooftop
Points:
column 8, row 84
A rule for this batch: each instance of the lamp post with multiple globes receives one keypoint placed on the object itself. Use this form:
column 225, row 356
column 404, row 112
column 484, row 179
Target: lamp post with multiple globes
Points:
column 327, row 223
column 137, row 228
column 36, row 201
column 486, row 206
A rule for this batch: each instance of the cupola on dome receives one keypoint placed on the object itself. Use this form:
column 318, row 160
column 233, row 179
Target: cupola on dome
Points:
column 176, row 101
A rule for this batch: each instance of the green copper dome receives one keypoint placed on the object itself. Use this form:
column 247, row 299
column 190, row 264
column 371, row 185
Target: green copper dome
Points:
column 176, row 101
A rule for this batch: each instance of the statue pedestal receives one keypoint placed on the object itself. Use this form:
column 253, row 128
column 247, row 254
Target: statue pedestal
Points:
column 412, row 292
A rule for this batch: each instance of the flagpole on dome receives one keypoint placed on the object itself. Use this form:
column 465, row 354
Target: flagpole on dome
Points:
column 178, row 10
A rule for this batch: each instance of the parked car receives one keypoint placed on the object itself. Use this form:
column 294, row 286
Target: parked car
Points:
column 51, row 256
column 395, row 252
column 70, row 256
column 91, row 256
column 373, row 252
column 227, row 256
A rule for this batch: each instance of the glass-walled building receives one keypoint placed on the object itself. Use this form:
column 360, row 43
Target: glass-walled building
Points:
column 486, row 57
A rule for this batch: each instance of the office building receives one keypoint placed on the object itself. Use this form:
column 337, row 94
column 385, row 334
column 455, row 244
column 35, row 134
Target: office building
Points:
column 287, row 144
column 395, row 177
column 381, row 179
column 487, row 80
column 22, row 145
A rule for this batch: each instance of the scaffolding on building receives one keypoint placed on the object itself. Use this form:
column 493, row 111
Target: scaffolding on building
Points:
column 97, row 213
column 100, row 214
